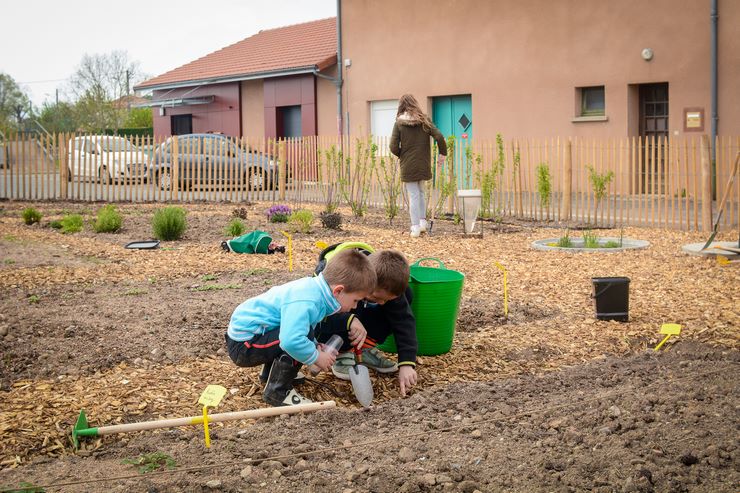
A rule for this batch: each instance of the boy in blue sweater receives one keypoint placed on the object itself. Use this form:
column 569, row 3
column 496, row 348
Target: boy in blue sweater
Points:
column 276, row 328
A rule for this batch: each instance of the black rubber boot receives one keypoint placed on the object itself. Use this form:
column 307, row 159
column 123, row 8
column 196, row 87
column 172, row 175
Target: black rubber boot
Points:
column 299, row 378
column 279, row 389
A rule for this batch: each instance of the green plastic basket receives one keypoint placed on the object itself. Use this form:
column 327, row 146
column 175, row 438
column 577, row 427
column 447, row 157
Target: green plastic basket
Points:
column 437, row 291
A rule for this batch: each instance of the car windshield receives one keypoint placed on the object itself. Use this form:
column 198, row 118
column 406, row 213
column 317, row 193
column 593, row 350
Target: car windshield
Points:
column 116, row 144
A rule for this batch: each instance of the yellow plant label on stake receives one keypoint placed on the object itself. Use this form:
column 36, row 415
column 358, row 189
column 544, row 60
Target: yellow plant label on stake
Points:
column 210, row 397
column 506, row 289
column 290, row 251
column 206, row 432
column 669, row 330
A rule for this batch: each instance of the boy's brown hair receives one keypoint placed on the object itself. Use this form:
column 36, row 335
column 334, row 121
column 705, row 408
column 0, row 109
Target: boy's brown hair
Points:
column 392, row 271
column 352, row 269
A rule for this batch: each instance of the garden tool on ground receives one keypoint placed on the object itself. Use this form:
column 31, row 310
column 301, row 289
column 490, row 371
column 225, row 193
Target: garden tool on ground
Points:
column 82, row 429
column 669, row 330
column 727, row 249
column 728, row 189
column 360, row 378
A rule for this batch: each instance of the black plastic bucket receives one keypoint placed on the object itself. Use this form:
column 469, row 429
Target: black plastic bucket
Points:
column 611, row 298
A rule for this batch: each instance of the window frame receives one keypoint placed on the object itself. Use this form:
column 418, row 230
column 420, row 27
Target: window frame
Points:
column 584, row 110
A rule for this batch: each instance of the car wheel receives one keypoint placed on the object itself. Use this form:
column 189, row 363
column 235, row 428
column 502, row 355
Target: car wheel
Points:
column 256, row 179
column 104, row 176
column 164, row 179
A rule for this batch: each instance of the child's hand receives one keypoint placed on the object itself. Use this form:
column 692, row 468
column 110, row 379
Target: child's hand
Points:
column 406, row 378
column 440, row 159
column 357, row 333
column 325, row 360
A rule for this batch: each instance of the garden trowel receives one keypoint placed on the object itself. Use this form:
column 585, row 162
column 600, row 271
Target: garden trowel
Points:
column 360, row 378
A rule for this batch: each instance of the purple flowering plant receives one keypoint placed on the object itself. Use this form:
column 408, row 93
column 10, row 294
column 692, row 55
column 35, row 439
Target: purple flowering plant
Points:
column 278, row 213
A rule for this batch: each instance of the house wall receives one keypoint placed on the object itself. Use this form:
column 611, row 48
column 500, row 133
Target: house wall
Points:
column 522, row 60
column 290, row 91
column 326, row 105
column 222, row 115
column 253, row 108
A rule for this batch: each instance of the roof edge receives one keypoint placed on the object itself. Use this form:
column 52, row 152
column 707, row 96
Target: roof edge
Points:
column 230, row 78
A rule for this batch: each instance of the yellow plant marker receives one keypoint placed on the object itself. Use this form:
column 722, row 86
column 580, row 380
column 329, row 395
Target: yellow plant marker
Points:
column 321, row 245
column 506, row 289
column 669, row 330
column 290, row 251
column 210, row 397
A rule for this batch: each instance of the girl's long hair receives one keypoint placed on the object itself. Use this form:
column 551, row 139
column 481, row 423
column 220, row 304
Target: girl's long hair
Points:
column 408, row 104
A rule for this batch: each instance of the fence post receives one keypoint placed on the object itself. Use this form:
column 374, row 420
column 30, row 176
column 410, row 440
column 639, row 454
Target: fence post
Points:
column 452, row 179
column 64, row 167
column 175, row 170
column 282, row 153
column 706, row 185
column 567, row 180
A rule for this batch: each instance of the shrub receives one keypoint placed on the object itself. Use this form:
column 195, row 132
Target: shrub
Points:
column 56, row 224
column 611, row 244
column 544, row 185
column 240, row 212
column 235, row 228
column 71, row 223
column 109, row 220
column 301, row 220
column 31, row 216
column 169, row 223
column 599, row 184
column 590, row 239
column 565, row 241
column 278, row 214
column 331, row 220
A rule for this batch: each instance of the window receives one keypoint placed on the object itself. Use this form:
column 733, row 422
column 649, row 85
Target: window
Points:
column 592, row 101
column 112, row 144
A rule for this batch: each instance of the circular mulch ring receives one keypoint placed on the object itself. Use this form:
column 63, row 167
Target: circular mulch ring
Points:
column 549, row 244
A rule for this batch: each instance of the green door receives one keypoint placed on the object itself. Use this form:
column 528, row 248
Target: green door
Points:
column 453, row 115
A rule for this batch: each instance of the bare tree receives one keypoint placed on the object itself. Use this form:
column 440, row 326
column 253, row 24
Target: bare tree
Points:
column 98, row 85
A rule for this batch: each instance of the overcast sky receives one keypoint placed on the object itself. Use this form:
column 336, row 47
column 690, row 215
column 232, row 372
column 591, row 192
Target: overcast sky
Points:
column 43, row 41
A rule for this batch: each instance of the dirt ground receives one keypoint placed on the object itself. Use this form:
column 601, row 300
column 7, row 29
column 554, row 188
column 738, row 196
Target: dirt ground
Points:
column 546, row 399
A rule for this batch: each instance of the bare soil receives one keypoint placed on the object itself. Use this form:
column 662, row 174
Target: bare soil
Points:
column 544, row 399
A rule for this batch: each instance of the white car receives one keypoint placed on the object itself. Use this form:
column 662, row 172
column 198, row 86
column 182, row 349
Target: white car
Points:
column 107, row 158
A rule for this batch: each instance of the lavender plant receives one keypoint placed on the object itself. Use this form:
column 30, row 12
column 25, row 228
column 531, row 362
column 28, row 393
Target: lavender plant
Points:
column 278, row 213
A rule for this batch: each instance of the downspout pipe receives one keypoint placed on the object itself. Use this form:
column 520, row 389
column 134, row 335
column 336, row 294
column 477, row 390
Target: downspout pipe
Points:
column 714, row 16
column 340, row 124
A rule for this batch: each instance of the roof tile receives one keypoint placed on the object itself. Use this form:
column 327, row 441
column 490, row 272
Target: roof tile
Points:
column 283, row 48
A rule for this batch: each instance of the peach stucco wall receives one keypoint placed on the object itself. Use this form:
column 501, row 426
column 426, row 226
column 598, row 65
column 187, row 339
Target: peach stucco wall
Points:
column 253, row 108
column 521, row 60
column 326, row 105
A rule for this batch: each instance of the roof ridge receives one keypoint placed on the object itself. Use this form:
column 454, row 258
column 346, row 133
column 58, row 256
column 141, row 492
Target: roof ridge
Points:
column 292, row 25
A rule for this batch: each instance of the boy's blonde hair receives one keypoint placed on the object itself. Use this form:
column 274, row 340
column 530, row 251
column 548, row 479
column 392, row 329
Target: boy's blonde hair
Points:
column 392, row 271
column 352, row 269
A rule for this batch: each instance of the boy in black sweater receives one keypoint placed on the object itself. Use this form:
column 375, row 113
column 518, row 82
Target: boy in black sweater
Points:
column 386, row 311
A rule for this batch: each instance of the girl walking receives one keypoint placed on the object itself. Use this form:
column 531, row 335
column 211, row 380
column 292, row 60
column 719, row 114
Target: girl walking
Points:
column 410, row 142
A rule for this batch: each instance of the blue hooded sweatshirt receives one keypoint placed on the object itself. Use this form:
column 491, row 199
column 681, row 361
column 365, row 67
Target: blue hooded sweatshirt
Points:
column 293, row 309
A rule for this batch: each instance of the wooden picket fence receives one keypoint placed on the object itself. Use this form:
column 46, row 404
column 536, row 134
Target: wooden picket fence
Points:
column 665, row 183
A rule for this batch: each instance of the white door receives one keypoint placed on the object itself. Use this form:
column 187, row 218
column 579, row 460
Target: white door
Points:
column 382, row 117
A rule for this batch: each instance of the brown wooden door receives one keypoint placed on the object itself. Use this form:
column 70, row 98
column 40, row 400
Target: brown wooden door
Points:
column 654, row 131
